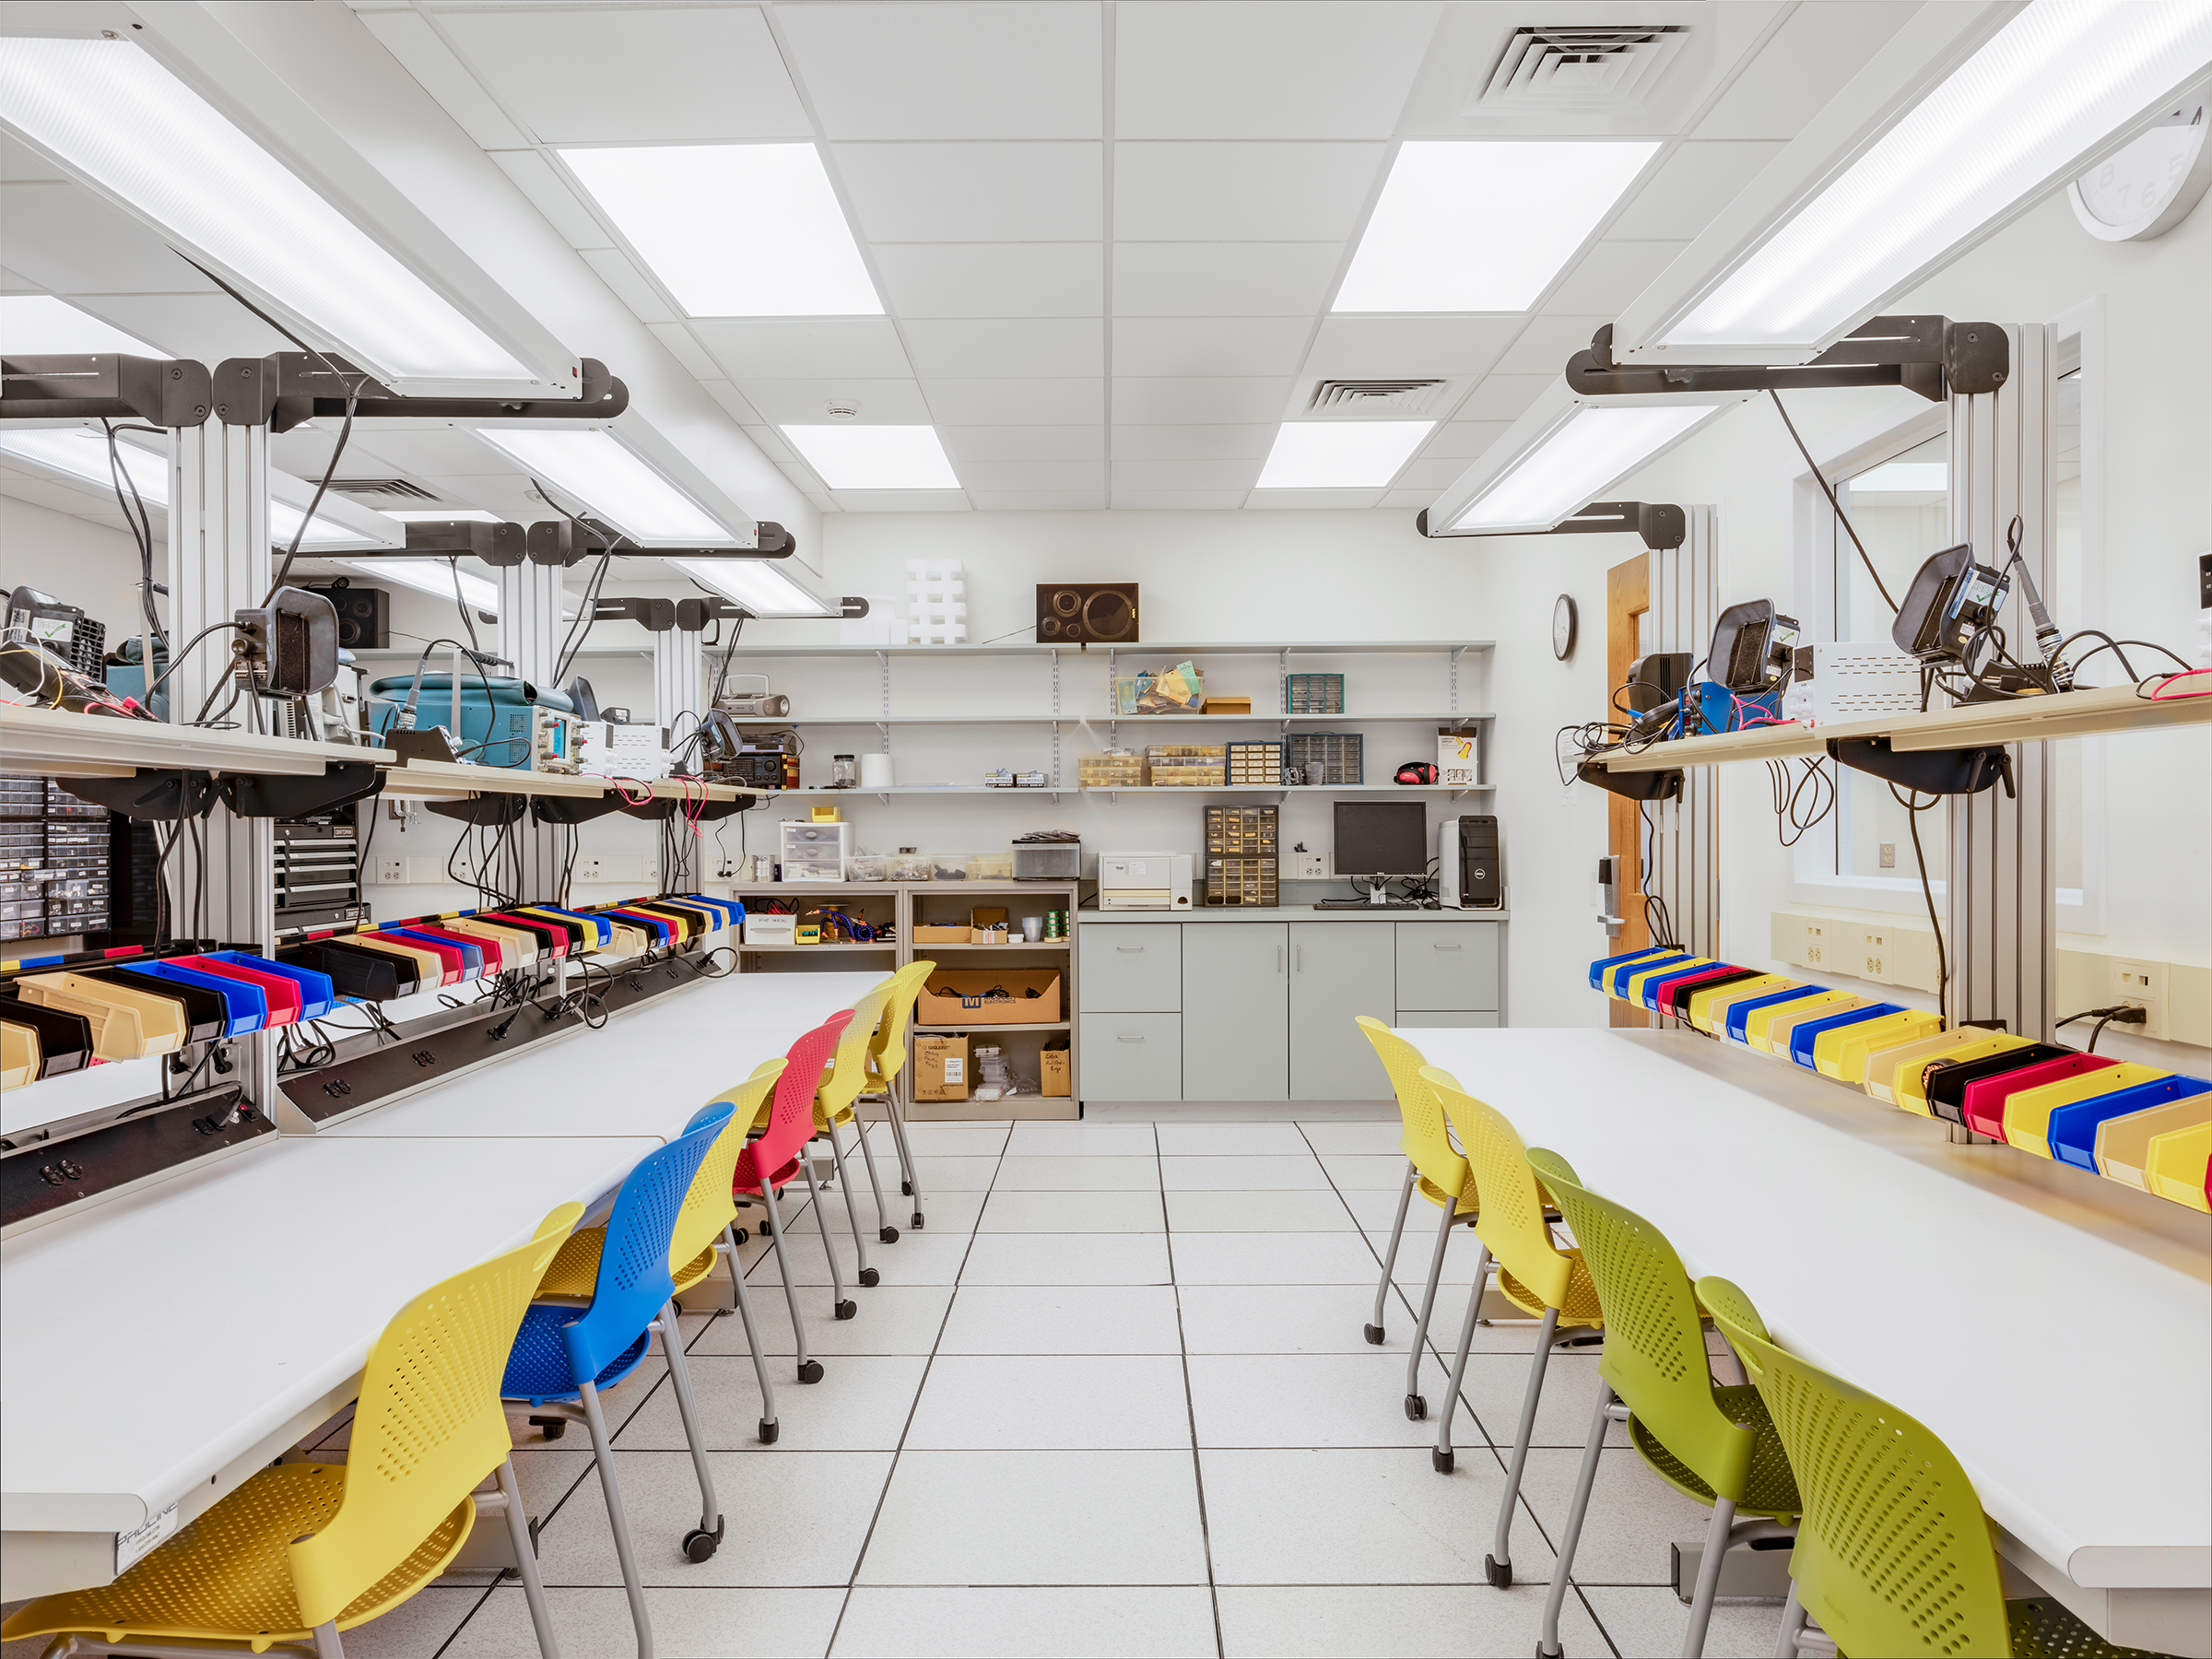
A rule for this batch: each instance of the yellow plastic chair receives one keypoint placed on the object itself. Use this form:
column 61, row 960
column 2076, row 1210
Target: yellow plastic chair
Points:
column 305, row 1551
column 1433, row 1168
column 1893, row 1552
column 705, row 1226
column 1533, row 1271
column 887, row 1061
column 833, row 1105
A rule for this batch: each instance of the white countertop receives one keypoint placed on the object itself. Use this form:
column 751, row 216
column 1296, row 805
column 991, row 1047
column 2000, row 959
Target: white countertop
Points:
column 2053, row 1328
column 1285, row 912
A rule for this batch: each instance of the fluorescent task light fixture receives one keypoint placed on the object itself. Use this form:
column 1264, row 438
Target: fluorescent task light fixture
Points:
column 42, row 325
column 1340, row 454
column 1477, row 226
column 597, row 468
column 874, row 457
column 435, row 576
column 2034, row 107
column 759, row 586
column 734, row 229
column 112, row 116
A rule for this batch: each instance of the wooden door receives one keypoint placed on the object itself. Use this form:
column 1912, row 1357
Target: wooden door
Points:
column 1628, row 596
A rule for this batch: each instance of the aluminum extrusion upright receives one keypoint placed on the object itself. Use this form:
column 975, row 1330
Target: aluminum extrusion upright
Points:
column 1684, row 857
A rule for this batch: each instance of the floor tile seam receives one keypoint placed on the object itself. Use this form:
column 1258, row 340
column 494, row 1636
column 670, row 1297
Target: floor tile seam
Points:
column 1205, row 1538
column 890, row 1474
column 482, row 1602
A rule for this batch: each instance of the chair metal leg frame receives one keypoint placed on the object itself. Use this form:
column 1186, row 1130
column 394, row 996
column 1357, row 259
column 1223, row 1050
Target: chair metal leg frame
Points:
column 1373, row 1332
column 1608, row 1410
column 703, row 1541
column 1440, row 1456
column 810, row 1370
column 526, row 1556
column 1498, row 1566
column 1792, row 1621
column 868, row 1276
column 742, row 1305
column 840, row 1305
column 327, row 1645
column 603, row 1455
column 908, row 1175
column 1709, row 1577
column 1416, row 1407
column 885, row 1231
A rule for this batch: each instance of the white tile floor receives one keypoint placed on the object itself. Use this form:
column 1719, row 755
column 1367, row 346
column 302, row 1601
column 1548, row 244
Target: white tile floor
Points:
column 1112, row 1400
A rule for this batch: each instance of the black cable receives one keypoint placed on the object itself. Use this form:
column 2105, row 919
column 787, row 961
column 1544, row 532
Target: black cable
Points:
column 1927, row 893
column 467, row 621
column 177, row 661
column 142, row 533
column 1836, row 506
column 353, row 398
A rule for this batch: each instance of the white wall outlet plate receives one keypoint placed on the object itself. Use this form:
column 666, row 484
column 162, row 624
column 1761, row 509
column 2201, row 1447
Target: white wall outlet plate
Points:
column 1311, row 866
column 391, row 872
column 2142, row 985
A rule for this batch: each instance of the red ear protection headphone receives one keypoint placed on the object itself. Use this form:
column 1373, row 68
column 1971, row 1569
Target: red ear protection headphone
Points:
column 1416, row 771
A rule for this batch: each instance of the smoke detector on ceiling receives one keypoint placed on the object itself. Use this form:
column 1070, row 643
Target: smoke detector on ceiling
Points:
column 398, row 487
column 841, row 408
column 1378, row 399
column 1578, row 66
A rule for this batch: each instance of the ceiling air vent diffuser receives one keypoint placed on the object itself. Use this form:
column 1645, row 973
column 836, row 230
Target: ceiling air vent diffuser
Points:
column 1578, row 66
column 1398, row 399
column 382, row 487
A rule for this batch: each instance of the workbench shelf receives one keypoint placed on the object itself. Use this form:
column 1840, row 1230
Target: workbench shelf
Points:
column 57, row 743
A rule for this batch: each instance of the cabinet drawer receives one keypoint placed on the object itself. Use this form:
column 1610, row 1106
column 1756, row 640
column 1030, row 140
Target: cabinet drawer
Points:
column 1447, row 966
column 1129, row 968
column 1435, row 1022
column 1131, row 1057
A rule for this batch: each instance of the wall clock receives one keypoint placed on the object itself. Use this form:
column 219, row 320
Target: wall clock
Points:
column 1562, row 628
column 2148, row 187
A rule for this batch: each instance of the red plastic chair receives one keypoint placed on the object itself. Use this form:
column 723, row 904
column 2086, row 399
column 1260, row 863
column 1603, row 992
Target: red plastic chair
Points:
column 779, row 1156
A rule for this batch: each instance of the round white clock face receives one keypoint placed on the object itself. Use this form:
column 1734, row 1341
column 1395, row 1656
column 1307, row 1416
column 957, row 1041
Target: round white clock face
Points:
column 1562, row 626
column 2150, row 186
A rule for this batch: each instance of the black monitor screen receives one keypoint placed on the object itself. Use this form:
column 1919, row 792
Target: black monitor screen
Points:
column 1381, row 838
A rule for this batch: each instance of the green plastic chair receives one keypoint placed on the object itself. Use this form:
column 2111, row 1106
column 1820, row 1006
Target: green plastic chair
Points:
column 1709, row 1440
column 1893, row 1553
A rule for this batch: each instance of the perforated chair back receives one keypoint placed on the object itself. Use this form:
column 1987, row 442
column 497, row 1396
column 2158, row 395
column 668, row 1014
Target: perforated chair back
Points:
column 1424, row 1142
column 429, row 1425
column 848, row 1072
column 1654, row 1354
column 708, row 1205
column 790, row 1118
column 1511, row 1222
column 887, row 1049
column 1893, row 1552
column 635, row 1281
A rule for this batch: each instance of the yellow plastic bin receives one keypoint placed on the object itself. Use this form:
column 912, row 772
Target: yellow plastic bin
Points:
column 1709, row 1009
column 1844, row 1053
column 1790, row 1015
column 1631, row 989
column 2178, row 1166
column 2027, row 1113
column 1885, row 1065
column 1910, row 1087
column 2124, row 1143
column 1759, row 1027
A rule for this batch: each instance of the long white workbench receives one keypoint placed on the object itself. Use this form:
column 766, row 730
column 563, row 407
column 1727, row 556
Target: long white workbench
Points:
column 157, row 1350
column 2056, row 1329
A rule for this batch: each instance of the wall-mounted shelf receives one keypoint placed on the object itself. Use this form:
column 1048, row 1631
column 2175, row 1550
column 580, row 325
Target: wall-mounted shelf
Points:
column 996, row 1026
column 891, row 945
column 57, row 742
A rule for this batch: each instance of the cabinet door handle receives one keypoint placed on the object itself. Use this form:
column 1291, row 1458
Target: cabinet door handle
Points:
column 1301, row 959
column 1443, row 948
column 1278, row 959
column 1129, row 948
column 1129, row 1037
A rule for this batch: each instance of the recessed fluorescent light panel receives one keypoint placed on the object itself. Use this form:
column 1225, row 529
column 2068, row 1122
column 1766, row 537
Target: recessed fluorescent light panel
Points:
column 41, row 325
column 874, row 457
column 756, row 584
column 597, row 468
column 2012, row 122
column 734, row 229
column 1477, row 226
column 435, row 576
column 1340, row 454
column 1593, row 450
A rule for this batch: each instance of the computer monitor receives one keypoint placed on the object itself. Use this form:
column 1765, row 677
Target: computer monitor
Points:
column 1381, row 838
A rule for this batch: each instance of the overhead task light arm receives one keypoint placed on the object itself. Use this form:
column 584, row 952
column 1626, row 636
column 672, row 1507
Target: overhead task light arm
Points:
column 1931, row 356
column 289, row 388
column 104, row 386
column 564, row 542
column 1661, row 524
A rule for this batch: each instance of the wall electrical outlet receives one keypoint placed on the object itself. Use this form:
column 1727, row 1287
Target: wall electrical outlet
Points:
column 1873, row 948
column 1886, row 854
column 2142, row 985
column 392, row 872
column 1311, row 866
column 588, row 869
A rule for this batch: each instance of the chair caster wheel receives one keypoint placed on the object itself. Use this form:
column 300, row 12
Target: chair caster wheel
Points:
column 869, row 1277
column 811, row 1371
column 916, row 1221
column 769, row 1430
column 1415, row 1407
column 906, row 1189
column 1373, row 1334
column 1439, row 1460
column 552, row 1428
column 744, row 1237
column 677, row 1306
column 701, row 1545
column 888, row 1235
column 766, row 1232
column 1500, row 1573
column 846, row 1309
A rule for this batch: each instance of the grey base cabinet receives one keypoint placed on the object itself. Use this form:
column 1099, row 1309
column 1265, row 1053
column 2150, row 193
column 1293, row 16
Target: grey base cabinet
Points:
column 1236, row 1011
column 1338, row 971
column 1131, row 1057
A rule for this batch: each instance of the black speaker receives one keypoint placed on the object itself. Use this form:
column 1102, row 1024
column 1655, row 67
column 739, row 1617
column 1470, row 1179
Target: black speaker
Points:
column 364, row 614
column 1481, row 869
column 1085, row 613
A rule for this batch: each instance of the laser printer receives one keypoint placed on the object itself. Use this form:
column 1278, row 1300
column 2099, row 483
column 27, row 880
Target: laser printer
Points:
column 1130, row 881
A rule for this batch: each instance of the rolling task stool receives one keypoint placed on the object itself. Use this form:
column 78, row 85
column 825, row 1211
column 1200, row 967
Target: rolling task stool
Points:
column 304, row 1550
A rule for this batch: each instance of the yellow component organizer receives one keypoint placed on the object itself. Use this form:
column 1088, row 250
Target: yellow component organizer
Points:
column 2176, row 1169
column 2027, row 1113
column 1911, row 1085
column 1790, row 1015
column 1759, row 1027
column 1884, row 1066
column 1842, row 1053
column 1709, row 1009
column 2124, row 1143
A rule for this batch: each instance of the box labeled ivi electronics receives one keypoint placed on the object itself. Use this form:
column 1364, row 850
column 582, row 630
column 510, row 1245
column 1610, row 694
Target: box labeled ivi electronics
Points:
column 1058, row 1074
column 1014, row 996
column 1455, row 760
column 940, row 1068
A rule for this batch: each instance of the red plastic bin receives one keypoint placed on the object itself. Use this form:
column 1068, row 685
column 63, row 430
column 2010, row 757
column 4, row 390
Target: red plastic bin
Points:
column 1983, row 1100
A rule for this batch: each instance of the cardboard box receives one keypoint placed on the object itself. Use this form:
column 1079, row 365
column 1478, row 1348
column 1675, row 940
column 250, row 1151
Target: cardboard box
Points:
column 986, row 915
column 1059, row 1073
column 940, row 935
column 1228, row 705
column 987, row 936
column 1456, row 759
column 940, row 1068
column 960, row 999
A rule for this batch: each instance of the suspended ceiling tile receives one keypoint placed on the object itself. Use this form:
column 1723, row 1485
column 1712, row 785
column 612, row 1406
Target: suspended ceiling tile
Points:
column 801, row 402
column 413, row 38
column 932, row 70
column 900, row 500
column 1353, row 500
column 1820, row 46
column 1428, row 475
column 1089, row 476
column 1236, row 69
column 1610, row 274
column 616, row 270
column 1039, row 501
column 1176, row 500
column 994, row 280
column 1181, row 345
column 1241, row 191
column 965, row 444
column 777, row 448
column 734, row 402
column 1689, row 188
column 751, row 348
column 1463, row 440
column 209, row 327
column 1016, row 346
column 70, row 242
column 933, row 192
column 998, row 402
column 1198, row 401
column 1547, row 342
column 1502, row 396
column 685, row 348
column 1223, row 279
column 1192, row 442
column 549, row 191
column 1232, row 474
column 634, row 74
column 446, row 451
column 1369, row 347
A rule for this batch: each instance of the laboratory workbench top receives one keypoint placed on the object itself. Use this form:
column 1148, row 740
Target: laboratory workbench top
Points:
column 1286, row 913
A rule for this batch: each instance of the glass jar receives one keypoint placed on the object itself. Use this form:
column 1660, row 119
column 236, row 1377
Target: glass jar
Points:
column 844, row 771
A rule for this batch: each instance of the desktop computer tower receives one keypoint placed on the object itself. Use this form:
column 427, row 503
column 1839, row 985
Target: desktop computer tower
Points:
column 1470, row 873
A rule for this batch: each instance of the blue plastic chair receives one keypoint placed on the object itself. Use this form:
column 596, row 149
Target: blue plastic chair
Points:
column 560, row 1358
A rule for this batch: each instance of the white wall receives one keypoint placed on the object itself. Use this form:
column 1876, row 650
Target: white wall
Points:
column 76, row 561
